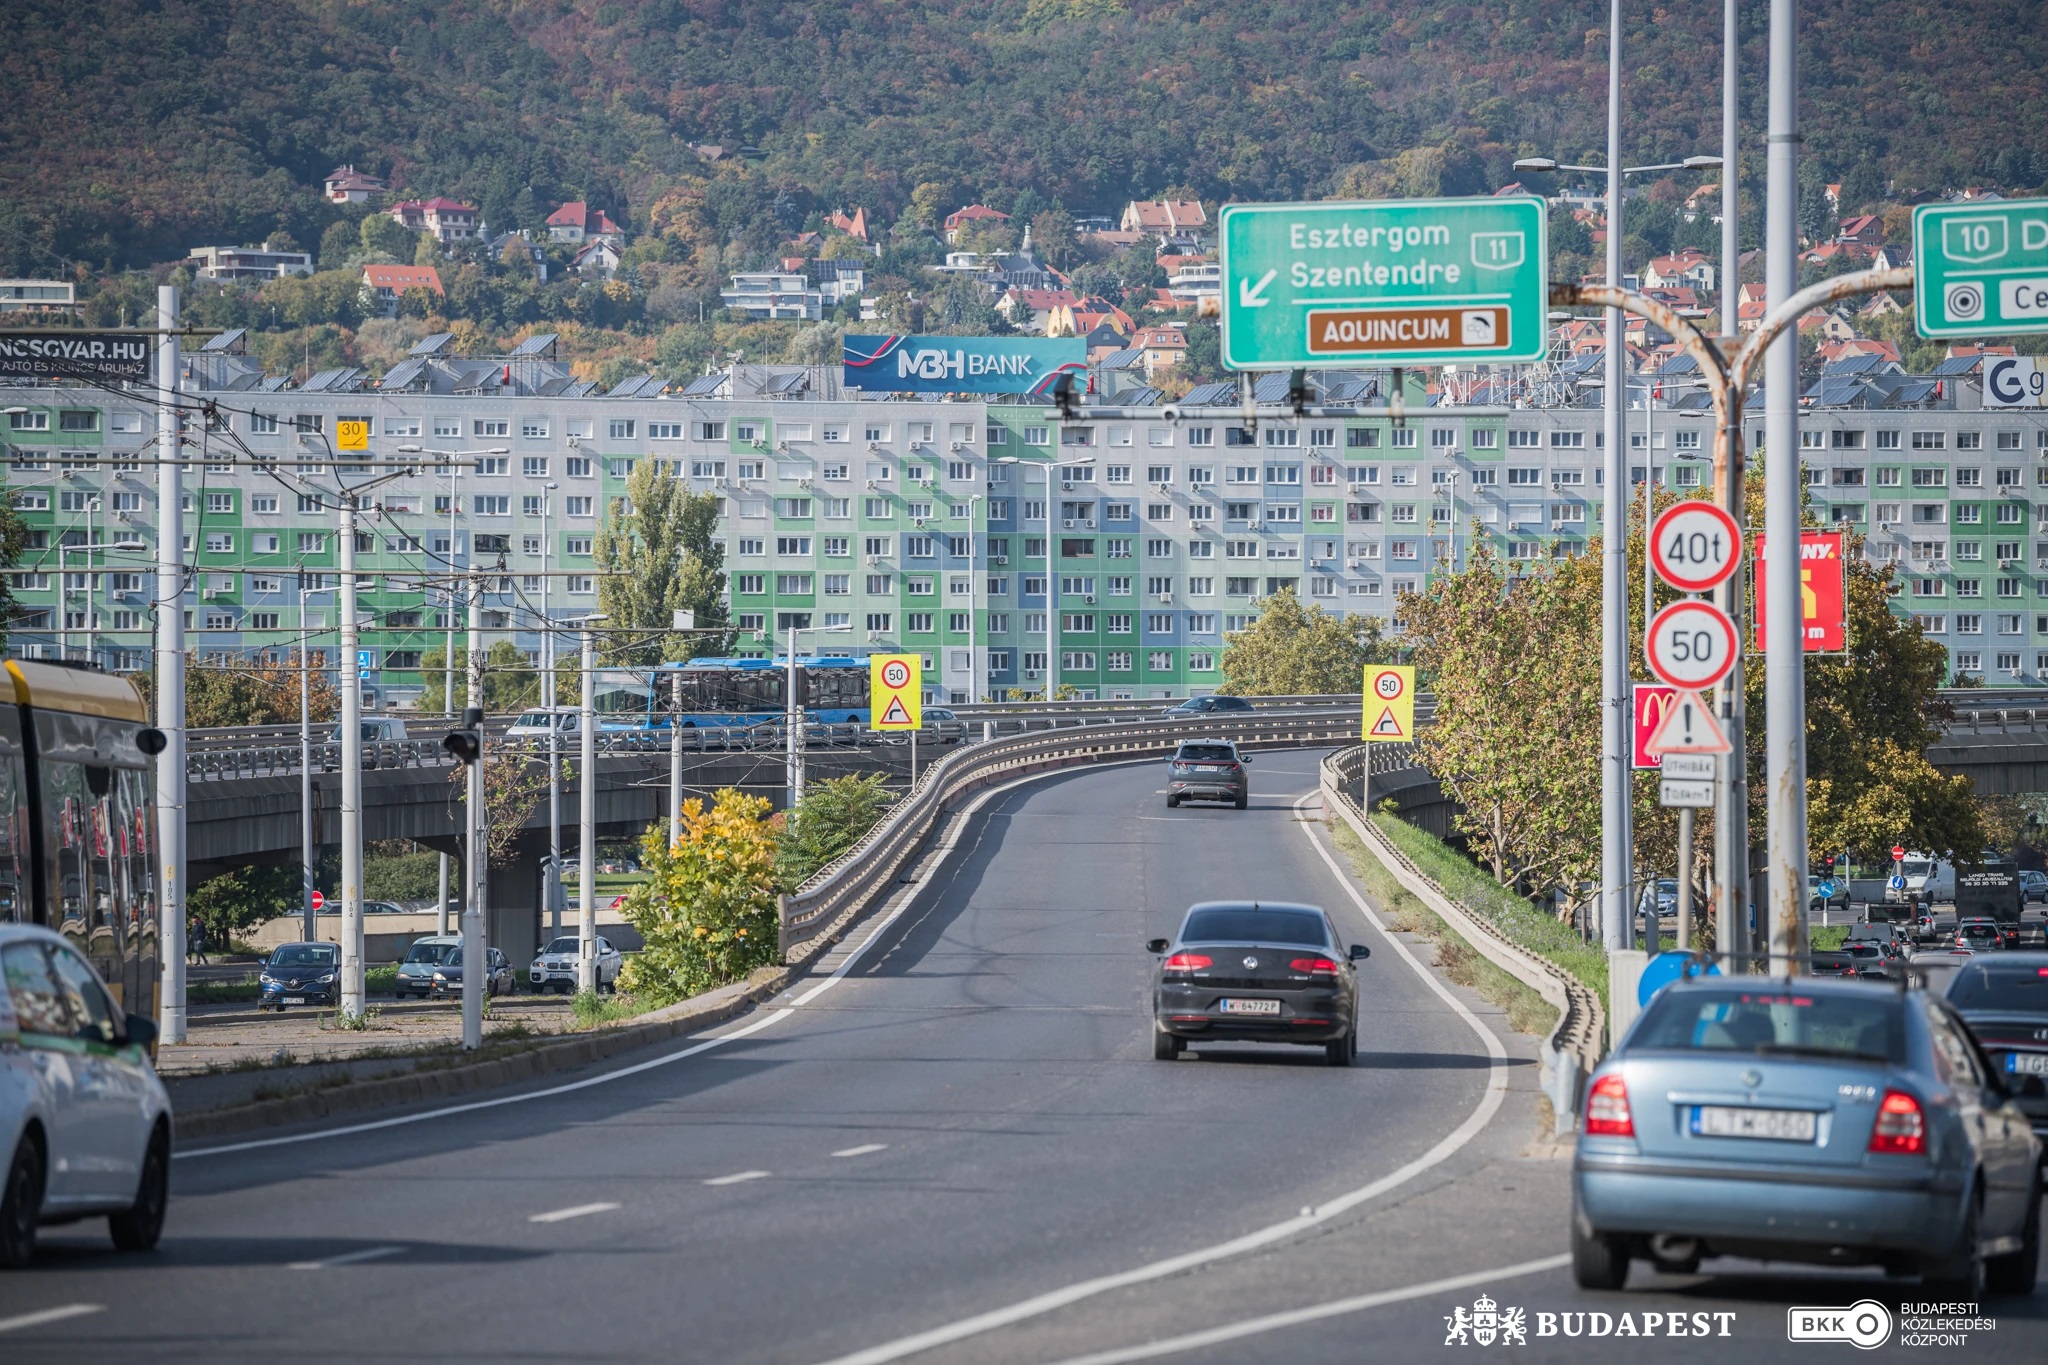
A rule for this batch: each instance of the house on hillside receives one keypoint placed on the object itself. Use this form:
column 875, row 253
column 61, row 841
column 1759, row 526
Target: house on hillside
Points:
column 523, row 248
column 247, row 262
column 1081, row 317
column 1688, row 267
column 1161, row 348
column 446, row 219
column 39, row 296
column 1857, row 254
column 1893, row 256
column 855, row 227
column 1823, row 325
column 1193, row 280
column 1865, row 229
column 347, row 185
column 839, row 280
column 771, row 295
column 385, row 285
column 1880, row 306
column 1164, row 217
column 1028, row 309
column 972, row 216
column 598, row 259
column 576, row 221
column 1704, row 199
column 1857, row 347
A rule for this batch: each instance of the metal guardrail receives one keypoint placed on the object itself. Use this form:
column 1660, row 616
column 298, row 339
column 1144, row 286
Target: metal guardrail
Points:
column 1576, row 1045
column 845, row 886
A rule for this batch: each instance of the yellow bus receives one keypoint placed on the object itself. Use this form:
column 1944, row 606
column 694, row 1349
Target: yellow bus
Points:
column 77, row 808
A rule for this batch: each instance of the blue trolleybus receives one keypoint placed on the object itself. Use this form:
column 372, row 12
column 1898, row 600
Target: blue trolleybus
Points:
column 726, row 692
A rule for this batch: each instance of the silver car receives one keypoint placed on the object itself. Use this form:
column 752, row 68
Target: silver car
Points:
column 1829, row 1121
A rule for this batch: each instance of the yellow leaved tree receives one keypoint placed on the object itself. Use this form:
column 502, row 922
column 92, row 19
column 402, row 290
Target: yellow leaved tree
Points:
column 707, row 908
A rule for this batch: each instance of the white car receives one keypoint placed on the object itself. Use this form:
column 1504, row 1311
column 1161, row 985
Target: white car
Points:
column 85, row 1125
column 555, row 968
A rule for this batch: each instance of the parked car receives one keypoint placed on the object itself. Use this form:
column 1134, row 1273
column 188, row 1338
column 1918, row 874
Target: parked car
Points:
column 1213, row 704
column 498, row 979
column 85, row 1125
column 2034, row 887
column 422, row 960
column 1842, row 1123
column 1208, row 770
column 300, row 974
column 535, row 724
column 1665, row 896
column 375, row 730
column 555, row 968
column 1835, row 904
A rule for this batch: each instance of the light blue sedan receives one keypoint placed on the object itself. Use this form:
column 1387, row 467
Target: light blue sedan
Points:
column 1833, row 1122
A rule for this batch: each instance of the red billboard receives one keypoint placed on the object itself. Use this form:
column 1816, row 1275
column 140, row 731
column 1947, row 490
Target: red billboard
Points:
column 1823, row 591
column 1653, row 701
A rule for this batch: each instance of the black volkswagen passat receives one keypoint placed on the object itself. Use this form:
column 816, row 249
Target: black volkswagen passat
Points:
column 1256, row 971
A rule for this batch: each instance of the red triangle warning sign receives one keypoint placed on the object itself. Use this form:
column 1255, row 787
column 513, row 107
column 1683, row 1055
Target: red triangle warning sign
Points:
column 1689, row 728
column 1388, row 726
column 897, row 714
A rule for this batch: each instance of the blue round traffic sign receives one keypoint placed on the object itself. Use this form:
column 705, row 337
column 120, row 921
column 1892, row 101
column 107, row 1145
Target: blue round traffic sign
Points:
column 1825, row 890
column 1666, row 968
column 1897, row 883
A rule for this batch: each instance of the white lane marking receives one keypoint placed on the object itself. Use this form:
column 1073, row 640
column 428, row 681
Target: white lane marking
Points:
column 564, row 1215
column 736, row 1177
column 1273, row 1322
column 48, row 1315
column 349, row 1258
column 862, row 1150
column 1448, row 1146
column 776, row 1016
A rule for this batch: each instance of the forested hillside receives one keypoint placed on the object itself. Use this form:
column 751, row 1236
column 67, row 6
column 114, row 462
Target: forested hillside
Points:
column 133, row 130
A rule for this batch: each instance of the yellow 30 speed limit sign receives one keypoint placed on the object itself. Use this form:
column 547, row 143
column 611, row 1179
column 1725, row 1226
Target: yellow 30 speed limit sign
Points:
column 895, row 691
column 1389, row 703
column 352, row 433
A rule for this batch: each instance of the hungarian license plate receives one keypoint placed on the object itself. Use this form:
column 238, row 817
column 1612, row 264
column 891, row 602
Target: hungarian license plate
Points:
column 2027, row 1063
column 1207, row 768
column 1250, row 1006
column 1775, row 1125
column 293, row 1000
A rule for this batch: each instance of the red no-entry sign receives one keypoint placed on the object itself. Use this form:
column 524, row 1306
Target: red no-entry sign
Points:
column 319, row 900
column 1898, row 852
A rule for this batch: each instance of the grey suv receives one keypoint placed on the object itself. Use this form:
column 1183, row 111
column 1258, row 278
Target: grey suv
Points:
column 1209, row 770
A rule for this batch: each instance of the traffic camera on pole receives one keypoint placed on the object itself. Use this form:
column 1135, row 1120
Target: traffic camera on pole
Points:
column 467, row 743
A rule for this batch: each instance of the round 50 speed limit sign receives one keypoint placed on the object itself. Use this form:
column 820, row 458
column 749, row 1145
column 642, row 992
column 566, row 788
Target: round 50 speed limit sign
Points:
column 1691, row 645
column 896, row 673
column 1694, row 546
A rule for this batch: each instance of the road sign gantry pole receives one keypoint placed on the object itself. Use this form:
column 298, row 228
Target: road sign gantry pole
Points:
column 1727, row 368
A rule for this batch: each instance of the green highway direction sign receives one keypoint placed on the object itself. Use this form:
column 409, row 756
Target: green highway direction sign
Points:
column 1398, row 282
column 1980, row 269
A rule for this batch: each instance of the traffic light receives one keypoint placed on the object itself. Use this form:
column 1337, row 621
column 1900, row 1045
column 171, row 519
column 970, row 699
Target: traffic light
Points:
column 467, row 743
column 1297, row 391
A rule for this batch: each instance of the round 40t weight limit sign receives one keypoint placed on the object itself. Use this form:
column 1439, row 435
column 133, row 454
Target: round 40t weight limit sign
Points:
column 1691, row 645
column 1694, row 546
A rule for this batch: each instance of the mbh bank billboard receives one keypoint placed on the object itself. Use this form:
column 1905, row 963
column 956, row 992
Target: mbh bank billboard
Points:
column 936, row 364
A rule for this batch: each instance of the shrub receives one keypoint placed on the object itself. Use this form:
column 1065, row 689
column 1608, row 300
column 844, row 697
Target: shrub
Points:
column 707, row 909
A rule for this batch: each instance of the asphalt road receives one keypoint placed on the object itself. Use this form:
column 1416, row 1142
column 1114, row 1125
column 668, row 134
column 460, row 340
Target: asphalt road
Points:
column 957, row 1150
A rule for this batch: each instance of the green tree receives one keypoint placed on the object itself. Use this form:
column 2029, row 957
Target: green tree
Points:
column 1293, row 650
column 13, row 541
column 410, row 876
column 385, row 235
column 661, row 556
column 831, row 818
column 256, row 694
column 338, row 245
column 511, row 684
column 428, row 251
column 707, row 910
column 247, row 896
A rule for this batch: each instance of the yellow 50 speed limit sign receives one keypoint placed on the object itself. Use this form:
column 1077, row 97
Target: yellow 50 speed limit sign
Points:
column 895, row 691
column 1389, row 704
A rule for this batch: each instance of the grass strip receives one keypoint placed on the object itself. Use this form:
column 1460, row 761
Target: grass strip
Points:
column 1527, row 1011
column 1522, row 923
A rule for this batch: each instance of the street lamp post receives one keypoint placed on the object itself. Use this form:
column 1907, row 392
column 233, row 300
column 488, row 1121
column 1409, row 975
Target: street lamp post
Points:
column 1616, row 751
column 794, row 716
column 306, row 848
column 586, row 829
column 553, row 887
column 1052, row 568
column 170, row 669
column 64, row 589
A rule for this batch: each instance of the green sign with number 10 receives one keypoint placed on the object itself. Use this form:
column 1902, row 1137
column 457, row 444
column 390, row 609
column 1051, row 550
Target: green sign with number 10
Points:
column 1980, row 269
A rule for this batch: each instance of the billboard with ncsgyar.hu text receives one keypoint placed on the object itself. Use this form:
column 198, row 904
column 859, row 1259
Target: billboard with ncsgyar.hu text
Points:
column 938, row 364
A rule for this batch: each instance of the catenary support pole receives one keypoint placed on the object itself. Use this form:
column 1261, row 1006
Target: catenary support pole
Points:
column 352, row 980
column 170, row 671
column 307, row 860
column 586, row 832
column 675, row 758
column 1730, row 897
column 1784, row 624
column 475, row 948
column 1615, row 754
